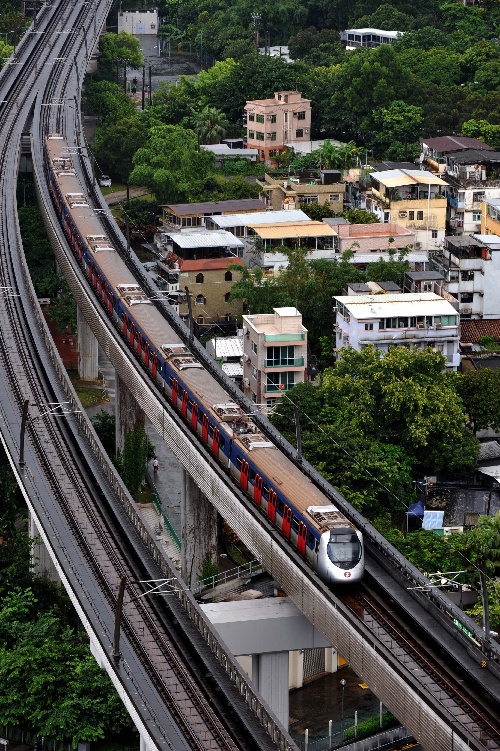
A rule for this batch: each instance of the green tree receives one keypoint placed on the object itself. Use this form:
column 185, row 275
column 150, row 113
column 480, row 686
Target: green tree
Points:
column 136, row 452
column 107, row 101
column 170, row 165
column 386, row 17
column 210, row 125
column 122, row 46
column 105, row 426
column 484, row 549
column 392, row 270
column 483, row 130
column 115, row 145
column 399, row 121
column 360, row 216
column 63, row 309
column 480, row 394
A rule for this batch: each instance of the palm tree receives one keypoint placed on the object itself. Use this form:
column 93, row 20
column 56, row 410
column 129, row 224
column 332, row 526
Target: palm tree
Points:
column 210, row 124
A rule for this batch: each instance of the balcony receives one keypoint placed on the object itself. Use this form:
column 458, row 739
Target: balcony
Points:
column 297, row 336
column 287, row 363
column 272, row 388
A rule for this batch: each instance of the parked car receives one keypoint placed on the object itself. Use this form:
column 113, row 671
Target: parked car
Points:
column 105, row 181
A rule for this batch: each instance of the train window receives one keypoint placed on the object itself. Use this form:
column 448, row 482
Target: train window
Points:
column 310, row 540
column 295, row 524
column 316, row 547
column 239, row 462
column 344, row 548
column 251, row 475
column 265, row 491
column 170, row 381
column 280, row 507
column 190, row 405
column 222, row 442
column 210, row 430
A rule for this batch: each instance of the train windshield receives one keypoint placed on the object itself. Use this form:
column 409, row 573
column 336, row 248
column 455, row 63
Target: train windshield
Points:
column 344, row 548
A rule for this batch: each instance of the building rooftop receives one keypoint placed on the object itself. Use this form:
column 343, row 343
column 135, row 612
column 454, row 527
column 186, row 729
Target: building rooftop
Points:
column 417, row 256
column 358, row 287
column 292, row 230
column 474, row 156
column 204, row 239
column 405, row 304
column 372, row 31
column 267, row 217
column 228, row 346
column 448, row 144
column 491, row 241
column 216, row 207
column 334, row 221
column 473, row 330
column 396, row 177
column 420, row 276
column 223, row 149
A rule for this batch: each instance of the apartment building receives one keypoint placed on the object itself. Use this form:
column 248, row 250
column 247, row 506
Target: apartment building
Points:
column 472, row 170
column 274, row 355
column 367, row 37
column 470, row 267
column 271, row 123
column 268, row 241
column 285, row 192
column 401, row 320
column 369, row 242
column 414, row 199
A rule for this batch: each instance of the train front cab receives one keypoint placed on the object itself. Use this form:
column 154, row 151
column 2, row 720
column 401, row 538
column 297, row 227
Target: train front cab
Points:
column 341, row 557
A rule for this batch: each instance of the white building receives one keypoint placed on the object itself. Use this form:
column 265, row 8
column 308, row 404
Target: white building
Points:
column 402, row 320
column 274, row 354
column 470, row 266
column 367, row 37
column 228, row 350
column 138, row 21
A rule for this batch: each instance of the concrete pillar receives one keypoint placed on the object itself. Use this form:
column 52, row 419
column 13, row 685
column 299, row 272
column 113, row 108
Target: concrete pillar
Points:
column 129, row 415
column 42, row 562
column 88, row 350
column 198, row 530
column 270, row 678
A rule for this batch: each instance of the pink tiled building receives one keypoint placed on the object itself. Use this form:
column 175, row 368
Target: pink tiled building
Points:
column 272, row 123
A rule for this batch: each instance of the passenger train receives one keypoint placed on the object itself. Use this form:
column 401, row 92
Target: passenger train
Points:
column 306, row 518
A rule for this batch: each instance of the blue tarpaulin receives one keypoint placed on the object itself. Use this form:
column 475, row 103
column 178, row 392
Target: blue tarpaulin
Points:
column 416, row 509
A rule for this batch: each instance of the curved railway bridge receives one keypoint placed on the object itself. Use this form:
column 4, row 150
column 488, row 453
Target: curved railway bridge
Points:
column 396, row 638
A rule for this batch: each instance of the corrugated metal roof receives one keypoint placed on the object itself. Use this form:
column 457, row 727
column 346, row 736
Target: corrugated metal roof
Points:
column 204, row 239
column 229, row 346
column 394, row 177
column 232, row 369
column 448, row 144
column 420, row 257
column 287, row 230
column 268, row 217
column 406, row 304
column 215, row 207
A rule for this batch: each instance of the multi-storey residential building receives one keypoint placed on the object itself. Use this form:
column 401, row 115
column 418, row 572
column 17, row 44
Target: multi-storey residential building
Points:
column 238, row 224
column 402, row 320
column 284, row 191
column 413, row 199
column 490, row 216
column 472, row 170
column 274, row 354
column 187, row 216
column 197, row 245
column 470, row 266
column 367, row 37
column 271, row 123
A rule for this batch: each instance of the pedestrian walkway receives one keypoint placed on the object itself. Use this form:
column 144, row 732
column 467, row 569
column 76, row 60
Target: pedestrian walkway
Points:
column 156, row 524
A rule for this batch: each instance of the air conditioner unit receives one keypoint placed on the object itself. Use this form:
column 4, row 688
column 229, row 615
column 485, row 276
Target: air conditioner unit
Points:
column 246, row 382
column 269, row 117
column 402, row 214
column 418, row 246
column 245, row 330
column 246, row 357
column 466, row 311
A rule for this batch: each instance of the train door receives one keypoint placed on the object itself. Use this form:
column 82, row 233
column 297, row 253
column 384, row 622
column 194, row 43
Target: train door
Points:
column 175, row 391
column 271, row 504
column 125, row 324
column 301, row 539
column 244, row 475
column 94, row 275
column 287, row 521
column 215, row 442
column 194, row 415
column 184, row 405
column 257, row 489
column 154, row 364
column 204, row 428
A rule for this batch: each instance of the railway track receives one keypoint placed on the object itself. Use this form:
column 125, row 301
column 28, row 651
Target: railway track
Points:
column 199, row 722
column 444, row 679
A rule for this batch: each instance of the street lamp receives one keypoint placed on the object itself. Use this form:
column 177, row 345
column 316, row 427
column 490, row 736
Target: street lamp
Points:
column 342, row 686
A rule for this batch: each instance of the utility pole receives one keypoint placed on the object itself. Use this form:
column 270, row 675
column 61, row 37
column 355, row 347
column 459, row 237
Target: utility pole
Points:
column 256, row 21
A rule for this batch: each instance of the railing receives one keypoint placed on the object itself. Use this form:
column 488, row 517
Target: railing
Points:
column 248, row 569
column 297, row 336
column 289, row 363
column 166, row 521
column 273, row 387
